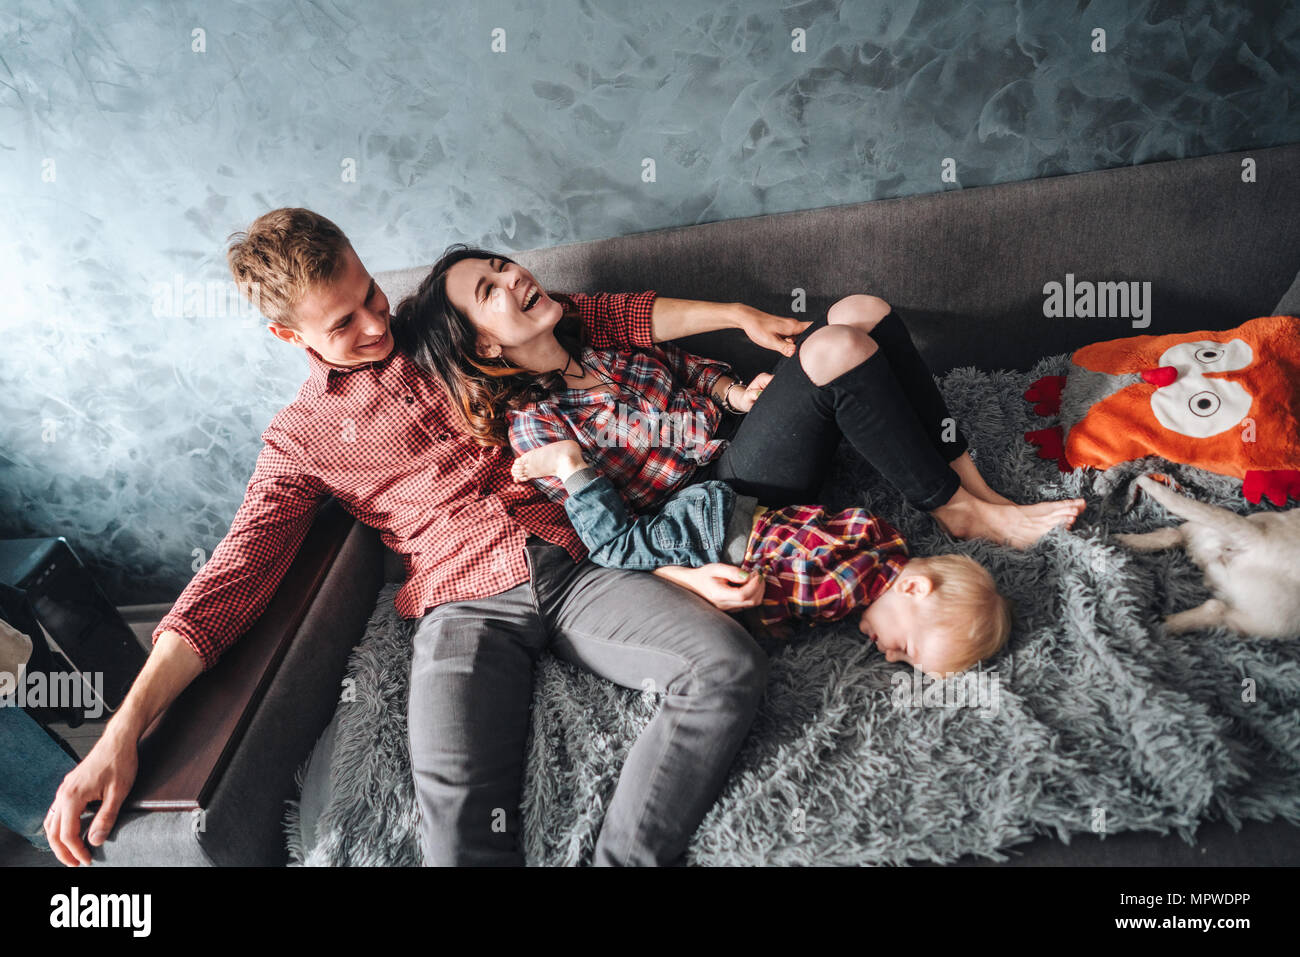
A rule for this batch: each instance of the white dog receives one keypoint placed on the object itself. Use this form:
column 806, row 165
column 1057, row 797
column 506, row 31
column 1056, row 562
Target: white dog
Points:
column 1251, row 564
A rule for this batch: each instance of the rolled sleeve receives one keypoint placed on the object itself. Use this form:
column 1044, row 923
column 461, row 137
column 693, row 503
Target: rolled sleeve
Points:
column 616, row 320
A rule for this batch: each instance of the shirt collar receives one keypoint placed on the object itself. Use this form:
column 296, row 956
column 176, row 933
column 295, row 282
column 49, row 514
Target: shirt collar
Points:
column 322, row 372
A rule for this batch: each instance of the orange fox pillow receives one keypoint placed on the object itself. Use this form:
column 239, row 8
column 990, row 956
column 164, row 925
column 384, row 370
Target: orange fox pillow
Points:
column 1227, row 402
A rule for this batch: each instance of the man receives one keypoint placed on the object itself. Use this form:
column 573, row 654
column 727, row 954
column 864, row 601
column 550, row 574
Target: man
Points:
column 494, row 571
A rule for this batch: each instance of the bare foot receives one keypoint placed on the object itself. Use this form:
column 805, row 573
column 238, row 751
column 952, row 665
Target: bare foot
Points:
column 973, row 482
column 966, row 516
column 560, row 459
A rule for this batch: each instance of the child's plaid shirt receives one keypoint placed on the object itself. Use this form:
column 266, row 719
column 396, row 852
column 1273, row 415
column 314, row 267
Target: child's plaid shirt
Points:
column 822, row 565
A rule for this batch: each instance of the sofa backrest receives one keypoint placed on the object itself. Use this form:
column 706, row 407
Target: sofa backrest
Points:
column 966, row 268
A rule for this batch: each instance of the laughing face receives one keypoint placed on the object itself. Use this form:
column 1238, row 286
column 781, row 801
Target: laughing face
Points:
column 505, row 303
column 345, row 321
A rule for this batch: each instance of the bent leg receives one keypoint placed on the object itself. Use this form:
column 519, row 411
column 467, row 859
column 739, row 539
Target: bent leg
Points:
column 641, row 631
column 873, row 413
column 782, row 450
column 874, row 315
column 841, row 381
column 471, row 689
column 837, row 385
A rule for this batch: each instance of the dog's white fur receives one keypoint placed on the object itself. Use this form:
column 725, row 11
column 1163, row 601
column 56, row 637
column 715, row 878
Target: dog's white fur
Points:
column 1251, row 564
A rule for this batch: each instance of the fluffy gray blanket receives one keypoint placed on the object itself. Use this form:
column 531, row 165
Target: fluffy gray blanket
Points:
column 1091, row 720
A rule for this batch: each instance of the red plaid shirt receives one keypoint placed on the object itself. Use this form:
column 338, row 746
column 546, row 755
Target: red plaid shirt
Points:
column 385, row 441
column 647, row 433
column 822, row 565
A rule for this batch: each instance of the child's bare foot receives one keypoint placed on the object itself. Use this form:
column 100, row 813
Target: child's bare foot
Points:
column 973, row 482
column 966, row 516
column 560, row 459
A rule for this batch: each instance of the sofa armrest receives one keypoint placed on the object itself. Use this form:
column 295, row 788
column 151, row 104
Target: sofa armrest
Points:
column 217, row 766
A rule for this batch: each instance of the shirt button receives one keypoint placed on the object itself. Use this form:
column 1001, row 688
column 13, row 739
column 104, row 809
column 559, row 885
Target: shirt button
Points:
column 410, row 400
column 443, row 436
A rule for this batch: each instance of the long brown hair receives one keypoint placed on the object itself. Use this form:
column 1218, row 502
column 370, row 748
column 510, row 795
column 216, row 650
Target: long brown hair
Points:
column 443, row 342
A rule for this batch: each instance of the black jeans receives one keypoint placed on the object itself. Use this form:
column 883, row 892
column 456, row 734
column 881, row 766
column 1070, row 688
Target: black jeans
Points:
column 888, row 407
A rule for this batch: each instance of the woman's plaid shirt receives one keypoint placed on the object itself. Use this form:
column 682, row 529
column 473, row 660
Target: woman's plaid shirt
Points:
column 649, row 429
column 384, row 440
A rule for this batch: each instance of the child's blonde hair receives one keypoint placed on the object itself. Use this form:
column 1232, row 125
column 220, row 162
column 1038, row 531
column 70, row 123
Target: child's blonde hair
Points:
column 968, row 607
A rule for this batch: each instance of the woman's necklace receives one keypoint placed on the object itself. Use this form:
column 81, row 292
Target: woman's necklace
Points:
column 564, row 373
column 605, row 380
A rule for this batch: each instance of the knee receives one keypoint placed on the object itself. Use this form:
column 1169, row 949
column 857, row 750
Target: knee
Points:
column 834, row 350
column 737, row 664
column 860, row 311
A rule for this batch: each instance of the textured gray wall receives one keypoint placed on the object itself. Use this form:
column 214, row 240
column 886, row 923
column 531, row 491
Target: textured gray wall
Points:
column 127, row 156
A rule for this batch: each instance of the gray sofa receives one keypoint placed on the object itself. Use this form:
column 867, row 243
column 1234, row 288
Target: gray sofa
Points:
column 966, row 268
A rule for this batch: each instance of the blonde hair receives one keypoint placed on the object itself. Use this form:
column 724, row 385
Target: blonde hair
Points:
column 281, row 256
column 968, row 607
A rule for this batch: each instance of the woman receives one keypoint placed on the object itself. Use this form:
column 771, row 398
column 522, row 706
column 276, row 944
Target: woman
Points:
column 501, row 345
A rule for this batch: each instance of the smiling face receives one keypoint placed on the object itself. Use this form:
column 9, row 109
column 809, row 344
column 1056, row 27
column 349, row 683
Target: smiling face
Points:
column 896, row 623
column 507, row 306
column 345, row 320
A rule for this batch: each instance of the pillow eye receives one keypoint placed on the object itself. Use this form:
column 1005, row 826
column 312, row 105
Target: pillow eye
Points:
column 1209, row 355
column 1204, row 404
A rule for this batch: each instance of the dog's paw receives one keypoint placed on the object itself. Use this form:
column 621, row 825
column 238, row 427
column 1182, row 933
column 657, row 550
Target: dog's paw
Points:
column 1153, row 541
column 1149, row 482
column 1158, row 479
column 1209, row 615
column 1158, row 486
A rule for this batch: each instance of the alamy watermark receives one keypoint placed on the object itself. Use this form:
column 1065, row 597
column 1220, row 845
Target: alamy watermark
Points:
column 632, row 428
column 127, row 911
column 967, row 689
column 60, row 689
column 211, row 299
column 1084, row 299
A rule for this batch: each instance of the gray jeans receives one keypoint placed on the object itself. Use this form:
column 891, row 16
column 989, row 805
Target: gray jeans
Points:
column 472, row 685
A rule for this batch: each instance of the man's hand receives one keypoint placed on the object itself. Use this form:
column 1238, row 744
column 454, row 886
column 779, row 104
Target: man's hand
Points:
column 106, row 775
column 108, row 771
column 725, row 587
column 769, row 331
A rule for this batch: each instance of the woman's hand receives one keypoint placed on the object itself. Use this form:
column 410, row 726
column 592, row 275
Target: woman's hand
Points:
column 769, row 331
column 725, row 587
column 744, row 401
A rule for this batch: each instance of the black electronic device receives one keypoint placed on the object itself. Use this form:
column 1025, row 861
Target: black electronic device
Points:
column 48, row 594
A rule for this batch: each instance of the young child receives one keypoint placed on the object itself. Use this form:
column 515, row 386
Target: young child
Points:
column 941, row 614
